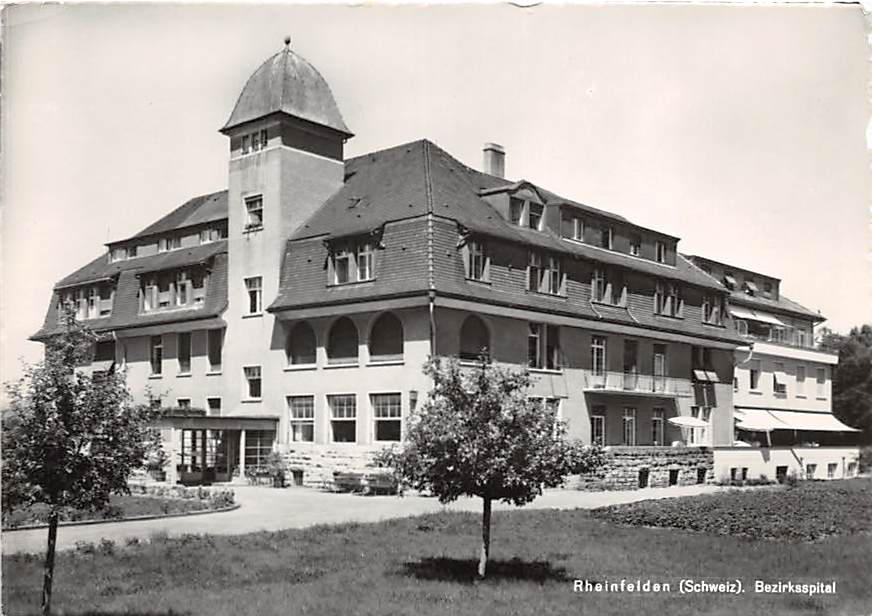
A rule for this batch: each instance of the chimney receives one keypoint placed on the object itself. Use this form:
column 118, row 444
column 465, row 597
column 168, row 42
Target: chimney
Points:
column 494, row 160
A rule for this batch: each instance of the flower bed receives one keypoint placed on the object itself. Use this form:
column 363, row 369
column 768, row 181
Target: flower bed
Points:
column 143, row 501
column 810, row 511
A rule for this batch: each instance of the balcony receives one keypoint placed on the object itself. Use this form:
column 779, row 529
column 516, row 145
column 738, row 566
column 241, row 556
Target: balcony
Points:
column 636, row 384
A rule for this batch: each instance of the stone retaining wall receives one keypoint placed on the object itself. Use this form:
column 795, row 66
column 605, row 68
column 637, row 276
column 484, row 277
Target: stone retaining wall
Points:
column 664, row 465
column 317, row 465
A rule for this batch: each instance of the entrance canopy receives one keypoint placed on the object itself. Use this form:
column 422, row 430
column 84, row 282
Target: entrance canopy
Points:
column 766, row 420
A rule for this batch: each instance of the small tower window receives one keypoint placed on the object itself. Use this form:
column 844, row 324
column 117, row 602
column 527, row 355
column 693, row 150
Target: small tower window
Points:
column 254, row 213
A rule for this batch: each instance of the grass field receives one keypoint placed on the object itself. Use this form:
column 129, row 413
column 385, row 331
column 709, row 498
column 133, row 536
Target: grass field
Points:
column 120, row 506
column 425, row 565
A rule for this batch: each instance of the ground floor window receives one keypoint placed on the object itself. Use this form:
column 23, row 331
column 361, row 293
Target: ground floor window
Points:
column 302, row 418
column 387, row 416
column 343, row 418
column 598, row 426
column 629, row 426
column 258, row 446
column 810, row 470
column 657, row 418
column 831, row 470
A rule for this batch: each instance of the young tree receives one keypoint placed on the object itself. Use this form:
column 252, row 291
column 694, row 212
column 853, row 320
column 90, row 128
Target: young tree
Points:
column 70, row 439
column 478, row 434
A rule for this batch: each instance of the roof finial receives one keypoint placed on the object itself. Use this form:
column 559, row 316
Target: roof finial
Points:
column 287, row 42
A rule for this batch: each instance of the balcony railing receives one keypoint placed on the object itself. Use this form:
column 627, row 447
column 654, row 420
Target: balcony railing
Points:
column 635, row 383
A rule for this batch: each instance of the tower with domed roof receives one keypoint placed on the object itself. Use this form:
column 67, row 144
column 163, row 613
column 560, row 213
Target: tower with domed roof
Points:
column 286, row 139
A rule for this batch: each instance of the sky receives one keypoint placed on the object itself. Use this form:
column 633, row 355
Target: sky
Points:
column 740, row 130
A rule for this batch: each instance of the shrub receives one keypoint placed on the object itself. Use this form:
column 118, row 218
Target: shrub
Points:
column 132, row 542
column 107, row 546
column 865, row 460
column 85, row 547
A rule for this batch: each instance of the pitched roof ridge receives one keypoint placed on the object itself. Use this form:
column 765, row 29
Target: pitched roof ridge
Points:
column 398, row 146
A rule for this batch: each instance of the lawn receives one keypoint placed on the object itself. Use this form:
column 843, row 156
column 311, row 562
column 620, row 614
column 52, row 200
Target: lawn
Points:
column 120, row 506
column 811, row 511
column 425, row 565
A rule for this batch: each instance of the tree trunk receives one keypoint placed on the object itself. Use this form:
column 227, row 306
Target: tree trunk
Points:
column 485, row 537
column 49, row 561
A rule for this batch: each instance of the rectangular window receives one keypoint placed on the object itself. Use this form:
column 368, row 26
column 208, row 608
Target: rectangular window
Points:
column 253, row 384
column 254, row 213
column 767, row 289
column 821, row 382
column 636, row 245
column 599, row 286
column 169, row 243
column 516, row 211
column 544, row 273
column 660, row 252
column 156, row 355
column 184, row 353
column 246, row 144
column 215, row 342
column 183, row 403
column 800, row 380
column 343, row 418
column 755, row 374
column 364, row 262
column 831, row 470
column 302, row 418
column 659, row 299
column 214, row 405
column 543, row 346
column 658, row 416
column 342, row 267
column 659, row 367
column 810, row 470
column 387, row 417
column 258, row 446
column 606, row 237
column 629, row 426
column 105, row 302
column 478, row 262
column 578, row 229
column 742, row 327
column 254, row 289
column 93, row 302
column 598, row 426
column 779, row 382
column 598, row 355
column 534, row 218
column 674, row 303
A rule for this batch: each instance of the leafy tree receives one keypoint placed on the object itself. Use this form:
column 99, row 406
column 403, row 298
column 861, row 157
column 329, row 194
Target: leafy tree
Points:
column 70, row 439
column 852, row 378
column 478, row 434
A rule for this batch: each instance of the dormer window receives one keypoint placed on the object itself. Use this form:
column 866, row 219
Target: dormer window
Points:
column 767, row 289
column 544, row 274
column 577, row 229
column 608, row 287
column 526, row 213
column 712, row 312
column 535, row 216
column 171, row 290
column 353, row 261
column 750, row 287
column 119, row 253
column 606, row 234
column 730, row 281
column 636, row 245
column 169, row 243
column 477, row 260
column 254, row 213
column 667, row 300
column 212, row 235
column 660, row 252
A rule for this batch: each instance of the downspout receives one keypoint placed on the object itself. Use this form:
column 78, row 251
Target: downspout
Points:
column 431, row 280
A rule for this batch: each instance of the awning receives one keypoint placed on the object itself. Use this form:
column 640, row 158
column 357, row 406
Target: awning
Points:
column 752, row 287
column 102, row 365
column 780, row 377
column 712, row 376
column 765, row 317
column 687, row 422
column 819, row 422
column 742, row 313
column 763, row 420
column 730, row 281
column 700, row 375
column 756, row 420
column 755, row 315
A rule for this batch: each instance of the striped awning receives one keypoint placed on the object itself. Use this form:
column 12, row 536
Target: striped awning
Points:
column 766, row 420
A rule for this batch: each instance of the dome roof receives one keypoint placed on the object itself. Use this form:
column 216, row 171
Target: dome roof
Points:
column 287, row 83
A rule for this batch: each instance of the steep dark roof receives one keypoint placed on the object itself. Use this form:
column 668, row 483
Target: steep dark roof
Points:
column 196, row 211
column 397, row 183
column 101, row 269
column 125, row 308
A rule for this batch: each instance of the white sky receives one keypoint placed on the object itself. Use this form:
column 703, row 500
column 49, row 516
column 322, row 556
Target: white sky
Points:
column 739, row 129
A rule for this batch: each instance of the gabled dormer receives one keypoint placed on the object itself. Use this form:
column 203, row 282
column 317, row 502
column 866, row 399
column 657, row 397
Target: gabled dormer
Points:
column 523, row 205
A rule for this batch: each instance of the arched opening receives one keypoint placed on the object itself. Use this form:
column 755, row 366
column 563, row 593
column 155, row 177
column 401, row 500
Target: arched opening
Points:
column 300, row 344
column 386, row 338
column 474, row 339
column 342, row 342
